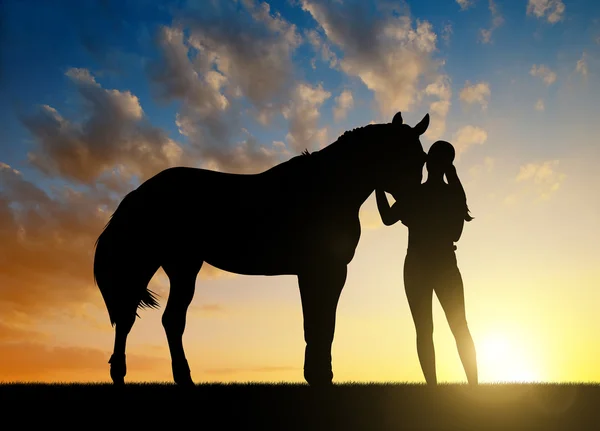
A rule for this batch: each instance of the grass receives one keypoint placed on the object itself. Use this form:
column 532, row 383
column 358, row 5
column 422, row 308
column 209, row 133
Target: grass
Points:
column 297, row 406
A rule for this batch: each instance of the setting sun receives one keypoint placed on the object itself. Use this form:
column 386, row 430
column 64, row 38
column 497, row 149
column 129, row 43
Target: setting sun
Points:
column 502, row 359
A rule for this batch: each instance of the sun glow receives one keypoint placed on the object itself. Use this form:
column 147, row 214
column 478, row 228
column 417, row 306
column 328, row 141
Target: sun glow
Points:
column 501, row 359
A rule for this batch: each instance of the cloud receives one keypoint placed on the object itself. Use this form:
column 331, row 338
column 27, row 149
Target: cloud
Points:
column 246, row 157
column 321, row 46
column 343, row 103
column 553, row 10
column 476, row 93
column 468, row 136
column 388, row 54
column 12, row 333
column 447, row 32
column 539, row 105
column 251, row 48
column 209, row 113
column 32, row 362
column 478, row 170
column 257, row 61
column 114, row 133
column 582, row 65
column 543, row 177
column 176, row 77
column 46, row 246
column 543, row 72
column 438, row 109
column 303, row 115
column 211, row 310
column 236, row 55
column 497, row 21
column 465, row 4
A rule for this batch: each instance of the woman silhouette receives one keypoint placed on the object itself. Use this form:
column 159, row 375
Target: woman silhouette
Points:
column 434, row 213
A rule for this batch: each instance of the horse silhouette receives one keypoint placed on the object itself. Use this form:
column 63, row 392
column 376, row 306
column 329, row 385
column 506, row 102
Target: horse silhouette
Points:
column 300, row 217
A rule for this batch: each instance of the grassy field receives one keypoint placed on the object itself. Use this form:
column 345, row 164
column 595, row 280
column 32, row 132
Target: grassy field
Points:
column 283, row 406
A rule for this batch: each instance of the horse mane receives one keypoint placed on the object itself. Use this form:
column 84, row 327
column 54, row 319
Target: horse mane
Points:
column 306, row 159
column 353, row 136
column 346, row 137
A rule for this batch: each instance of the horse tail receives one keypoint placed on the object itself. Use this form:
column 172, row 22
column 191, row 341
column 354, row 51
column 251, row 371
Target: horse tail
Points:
column 118, row 253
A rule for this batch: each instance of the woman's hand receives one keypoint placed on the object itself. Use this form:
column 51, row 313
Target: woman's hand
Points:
column 389, row 215
column 450, row 170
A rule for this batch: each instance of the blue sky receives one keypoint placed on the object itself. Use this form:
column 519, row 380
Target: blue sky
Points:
column 132, row 87
column 114, row 40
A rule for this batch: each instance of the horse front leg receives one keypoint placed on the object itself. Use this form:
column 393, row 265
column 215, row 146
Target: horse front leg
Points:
column 182, row 281
column 320, row 290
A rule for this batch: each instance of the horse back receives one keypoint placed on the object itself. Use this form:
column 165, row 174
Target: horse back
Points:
column 244, row 220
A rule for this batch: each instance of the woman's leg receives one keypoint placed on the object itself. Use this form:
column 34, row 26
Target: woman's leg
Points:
column 450, row 293
column 420, row 295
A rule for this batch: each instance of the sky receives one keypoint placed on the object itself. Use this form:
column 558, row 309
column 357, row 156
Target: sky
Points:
column 99, row 96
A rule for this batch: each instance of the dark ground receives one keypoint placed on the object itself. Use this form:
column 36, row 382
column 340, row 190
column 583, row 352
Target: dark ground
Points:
column 283, row 407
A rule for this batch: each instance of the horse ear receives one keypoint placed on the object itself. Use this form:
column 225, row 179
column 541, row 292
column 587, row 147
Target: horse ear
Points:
column 397, row 119
column 423, row 125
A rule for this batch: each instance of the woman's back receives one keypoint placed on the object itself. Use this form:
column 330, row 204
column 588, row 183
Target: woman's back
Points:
column 434, row 217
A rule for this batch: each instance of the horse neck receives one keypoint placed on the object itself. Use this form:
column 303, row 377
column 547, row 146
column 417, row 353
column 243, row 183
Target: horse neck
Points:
column 349, row 171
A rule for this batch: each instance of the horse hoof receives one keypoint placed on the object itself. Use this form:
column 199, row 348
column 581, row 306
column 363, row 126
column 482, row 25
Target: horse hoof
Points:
column 118, row 380
column 184, row 379
column 182, row 375
column 320, row 384
column 319, row 379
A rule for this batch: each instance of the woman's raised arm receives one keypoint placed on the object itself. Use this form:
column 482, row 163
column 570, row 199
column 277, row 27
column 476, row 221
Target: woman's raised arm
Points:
column 389, row 215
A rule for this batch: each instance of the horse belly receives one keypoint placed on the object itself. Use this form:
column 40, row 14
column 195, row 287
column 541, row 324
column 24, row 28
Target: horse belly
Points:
column 276, row 248
column 252, row 252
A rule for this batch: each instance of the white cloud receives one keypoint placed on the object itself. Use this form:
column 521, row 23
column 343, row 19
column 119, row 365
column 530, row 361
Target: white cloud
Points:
column 539, row 105
column 254, row 55
column 543, row 72
column 468, row 136
column 476, row 93
column 113, row 134
column 497, row 21
column 553, row 10
column 464, row 4
column 582, row 65
column 543, row 177
column 438, row 109
column 319, row 45
column 389, row 55
column 303, row 115
column 209, row 81
column 486, row 167
column 343, row 103
column 447, row 32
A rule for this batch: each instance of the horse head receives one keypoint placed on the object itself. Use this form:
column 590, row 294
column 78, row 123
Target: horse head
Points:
column 400, row 157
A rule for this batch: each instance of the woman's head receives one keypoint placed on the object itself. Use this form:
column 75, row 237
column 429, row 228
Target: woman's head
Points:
column 440, row 155
column 443, row 151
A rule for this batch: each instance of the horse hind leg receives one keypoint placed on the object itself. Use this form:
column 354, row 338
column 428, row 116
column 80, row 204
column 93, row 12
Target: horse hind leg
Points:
column 133, row 291
column 182, row 276
column 118, row 365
